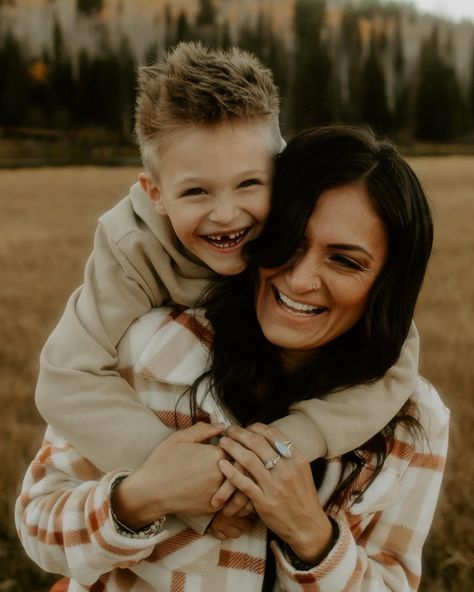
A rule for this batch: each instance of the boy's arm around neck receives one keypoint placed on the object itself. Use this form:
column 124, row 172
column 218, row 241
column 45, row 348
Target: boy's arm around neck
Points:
column 342, row 421
column 80, row 393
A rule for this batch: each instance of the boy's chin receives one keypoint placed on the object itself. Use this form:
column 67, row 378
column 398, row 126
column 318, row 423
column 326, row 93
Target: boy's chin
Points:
column 232, row 266
column 233, row 269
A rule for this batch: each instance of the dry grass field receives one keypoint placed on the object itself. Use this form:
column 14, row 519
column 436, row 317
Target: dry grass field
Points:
column 47, row 218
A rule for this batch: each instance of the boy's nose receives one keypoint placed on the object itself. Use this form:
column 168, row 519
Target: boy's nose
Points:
column 224, row 211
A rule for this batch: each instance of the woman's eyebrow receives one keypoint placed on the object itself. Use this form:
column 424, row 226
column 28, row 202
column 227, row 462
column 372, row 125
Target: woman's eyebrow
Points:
column 349, row 247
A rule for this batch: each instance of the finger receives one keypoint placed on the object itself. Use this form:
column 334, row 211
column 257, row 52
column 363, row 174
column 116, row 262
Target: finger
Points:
column 218, row 534
column 257, row 443
column 248, row 460
column 241, row 481
column 233, row 532
column 236, row 503
column 222, row 494
column 199, row 432
column 247, row 510
column 234, row 527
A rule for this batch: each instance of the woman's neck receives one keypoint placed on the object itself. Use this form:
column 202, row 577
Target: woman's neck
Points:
column 294, row 360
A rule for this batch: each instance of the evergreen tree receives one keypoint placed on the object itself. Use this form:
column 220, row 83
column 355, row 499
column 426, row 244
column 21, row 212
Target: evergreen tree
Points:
column 89, row 7
column 170, row 35
column 183, row 28
column 205, row 24
column 225, row 39
column 125, row 102
column 151, row 53
column 14, row 82
column 350, row 62
column 471, row 89
column 438, row 101
column 374, row 104
column 206, row 15
column 254, row 37
column 402, row 102
column 63, row 85
column 106, row 88
column 40, row 95
column 87, row 78
column 277, row 58
column 313, row 100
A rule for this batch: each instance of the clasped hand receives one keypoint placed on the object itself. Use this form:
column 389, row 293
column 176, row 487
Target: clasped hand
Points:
column 184, row 473
column 284, row 497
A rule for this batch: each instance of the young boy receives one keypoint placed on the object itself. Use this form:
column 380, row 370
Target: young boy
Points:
column 207, row 125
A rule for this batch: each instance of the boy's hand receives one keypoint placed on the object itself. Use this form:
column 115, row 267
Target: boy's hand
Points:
column 222, row 494
column 238, row 505
column 228, row 527
column 236, row 502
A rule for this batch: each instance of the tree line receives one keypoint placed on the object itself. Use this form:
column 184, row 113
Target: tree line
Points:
column 346, row 74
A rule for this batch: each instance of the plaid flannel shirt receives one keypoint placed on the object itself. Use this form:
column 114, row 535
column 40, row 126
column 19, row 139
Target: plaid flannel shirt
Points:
column 64, row 519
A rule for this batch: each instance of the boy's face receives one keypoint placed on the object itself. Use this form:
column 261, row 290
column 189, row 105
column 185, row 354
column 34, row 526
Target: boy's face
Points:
column 214, row 185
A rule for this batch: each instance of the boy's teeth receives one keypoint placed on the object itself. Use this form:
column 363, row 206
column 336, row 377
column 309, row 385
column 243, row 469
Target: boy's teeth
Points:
column 297, row 305
column 230, row 239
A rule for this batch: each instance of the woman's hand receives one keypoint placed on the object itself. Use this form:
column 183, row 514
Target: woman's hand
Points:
column 180, row 476
column 285, row 496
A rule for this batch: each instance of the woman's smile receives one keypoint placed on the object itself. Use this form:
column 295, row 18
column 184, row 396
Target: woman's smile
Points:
column 296, row 307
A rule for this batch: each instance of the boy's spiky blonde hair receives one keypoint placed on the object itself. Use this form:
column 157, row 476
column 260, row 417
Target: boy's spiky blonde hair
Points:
column 195, row 85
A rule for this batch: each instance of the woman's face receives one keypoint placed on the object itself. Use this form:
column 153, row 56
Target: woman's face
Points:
column 323, row 290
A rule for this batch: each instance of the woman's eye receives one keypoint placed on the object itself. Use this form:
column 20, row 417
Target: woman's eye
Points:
column 194, row 191
column 347, row 262
column 250, row 183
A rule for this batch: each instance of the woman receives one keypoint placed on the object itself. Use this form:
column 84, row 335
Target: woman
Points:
column 326, row 303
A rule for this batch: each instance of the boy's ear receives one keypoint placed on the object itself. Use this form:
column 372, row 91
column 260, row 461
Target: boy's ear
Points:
column 153, row 191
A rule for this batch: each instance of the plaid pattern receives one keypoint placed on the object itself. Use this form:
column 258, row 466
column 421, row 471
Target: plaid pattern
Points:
column 64, row 520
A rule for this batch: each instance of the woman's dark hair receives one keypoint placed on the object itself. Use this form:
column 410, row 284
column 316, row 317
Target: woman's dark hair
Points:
column 321, row 159
column 246, row 372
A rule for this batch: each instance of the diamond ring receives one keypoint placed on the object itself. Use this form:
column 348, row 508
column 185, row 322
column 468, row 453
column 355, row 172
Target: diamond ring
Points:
column 271, row 462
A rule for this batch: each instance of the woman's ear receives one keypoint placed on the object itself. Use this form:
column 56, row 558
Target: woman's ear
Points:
column 151, row 188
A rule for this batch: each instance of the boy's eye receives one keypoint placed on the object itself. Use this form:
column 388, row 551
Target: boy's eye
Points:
column 193, row 191
column 347, row 262
column 250, row 183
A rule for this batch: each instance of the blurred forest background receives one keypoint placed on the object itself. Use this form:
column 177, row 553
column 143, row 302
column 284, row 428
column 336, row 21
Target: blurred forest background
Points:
column 67, row 87
column 68, row 67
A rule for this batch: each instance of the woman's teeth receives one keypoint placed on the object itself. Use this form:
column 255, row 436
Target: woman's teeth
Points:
column 224, row 241
column 298, row 306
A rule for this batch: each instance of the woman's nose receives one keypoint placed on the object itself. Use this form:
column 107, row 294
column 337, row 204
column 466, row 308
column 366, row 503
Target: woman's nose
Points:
column 304, row 276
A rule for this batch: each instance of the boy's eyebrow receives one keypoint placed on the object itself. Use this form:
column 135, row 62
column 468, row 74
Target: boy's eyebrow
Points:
column 194, row 179
column 349, row 247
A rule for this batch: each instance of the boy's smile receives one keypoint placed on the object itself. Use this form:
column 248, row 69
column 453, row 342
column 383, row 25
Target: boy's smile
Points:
column 214, row 185
column 228, row 240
